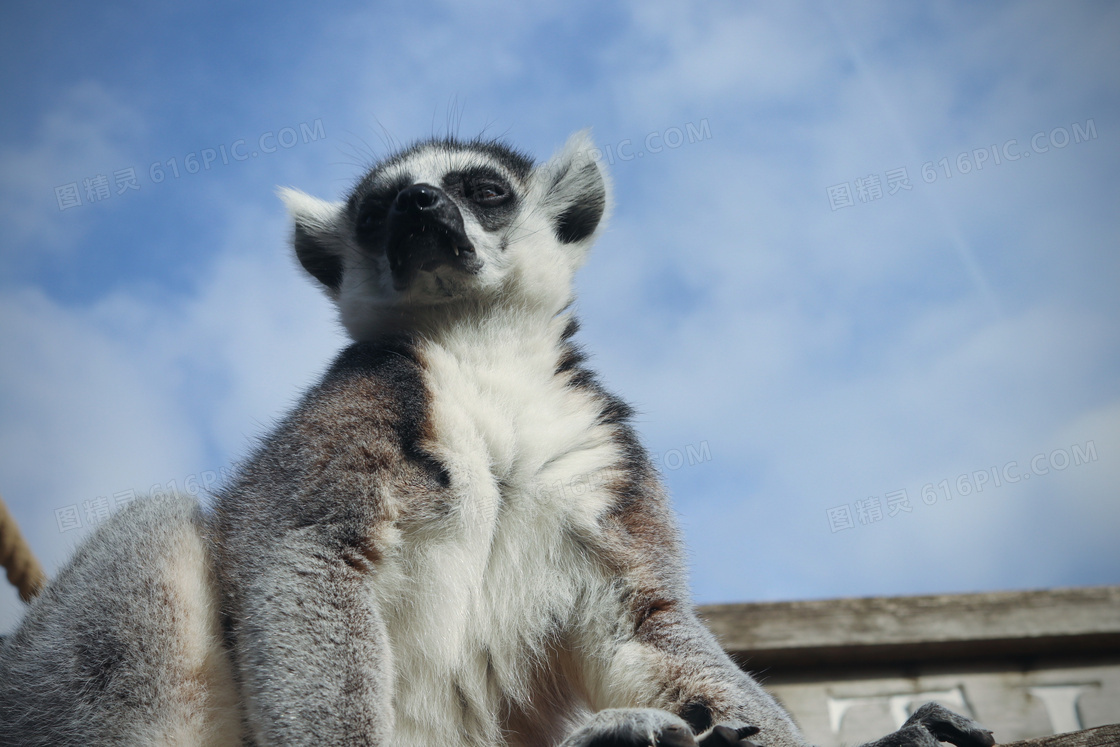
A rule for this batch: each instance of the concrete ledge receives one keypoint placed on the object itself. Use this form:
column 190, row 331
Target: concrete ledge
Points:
column 944, row 627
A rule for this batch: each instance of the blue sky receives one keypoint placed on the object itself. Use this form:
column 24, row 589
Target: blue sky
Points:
column 801, row 328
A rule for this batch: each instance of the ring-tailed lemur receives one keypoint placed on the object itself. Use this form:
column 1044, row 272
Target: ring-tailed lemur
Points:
column 391, row 566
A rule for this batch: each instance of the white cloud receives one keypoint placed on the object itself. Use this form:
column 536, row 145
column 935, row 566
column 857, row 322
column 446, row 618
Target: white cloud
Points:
column 672, row 59
column 90, row 131
column 87, row 414
column 823, row 356
column 950, row 395
column 830, row 356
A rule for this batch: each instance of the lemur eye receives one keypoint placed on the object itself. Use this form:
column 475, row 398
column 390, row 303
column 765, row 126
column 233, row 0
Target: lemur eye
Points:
column 487, row 194
column 370, row 218
column 367, row 222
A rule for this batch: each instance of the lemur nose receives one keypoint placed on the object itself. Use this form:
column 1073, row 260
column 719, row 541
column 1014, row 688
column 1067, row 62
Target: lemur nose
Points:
column 417, row 198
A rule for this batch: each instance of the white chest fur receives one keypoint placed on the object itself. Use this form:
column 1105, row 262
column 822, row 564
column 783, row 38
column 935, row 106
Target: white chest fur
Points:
column 480, row 590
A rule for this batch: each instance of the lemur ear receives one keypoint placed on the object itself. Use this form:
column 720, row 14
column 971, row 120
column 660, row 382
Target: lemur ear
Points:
column 575, row 190
column 316, row 236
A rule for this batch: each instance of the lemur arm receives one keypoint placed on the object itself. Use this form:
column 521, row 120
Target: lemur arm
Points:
column 309, row 646
column 651, row 650
column 300, row 533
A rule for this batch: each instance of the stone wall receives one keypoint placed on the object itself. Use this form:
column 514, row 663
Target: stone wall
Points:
column 1025, row 664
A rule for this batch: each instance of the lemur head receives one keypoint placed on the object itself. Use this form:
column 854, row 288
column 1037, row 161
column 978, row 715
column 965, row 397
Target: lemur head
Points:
column 447, row 223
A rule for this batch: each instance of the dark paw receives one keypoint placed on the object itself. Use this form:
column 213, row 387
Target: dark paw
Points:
column 932, row 724
column 947, row 726
column 726, row 736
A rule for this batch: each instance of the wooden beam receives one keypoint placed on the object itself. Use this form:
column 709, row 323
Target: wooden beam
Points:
column 1102, row 736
